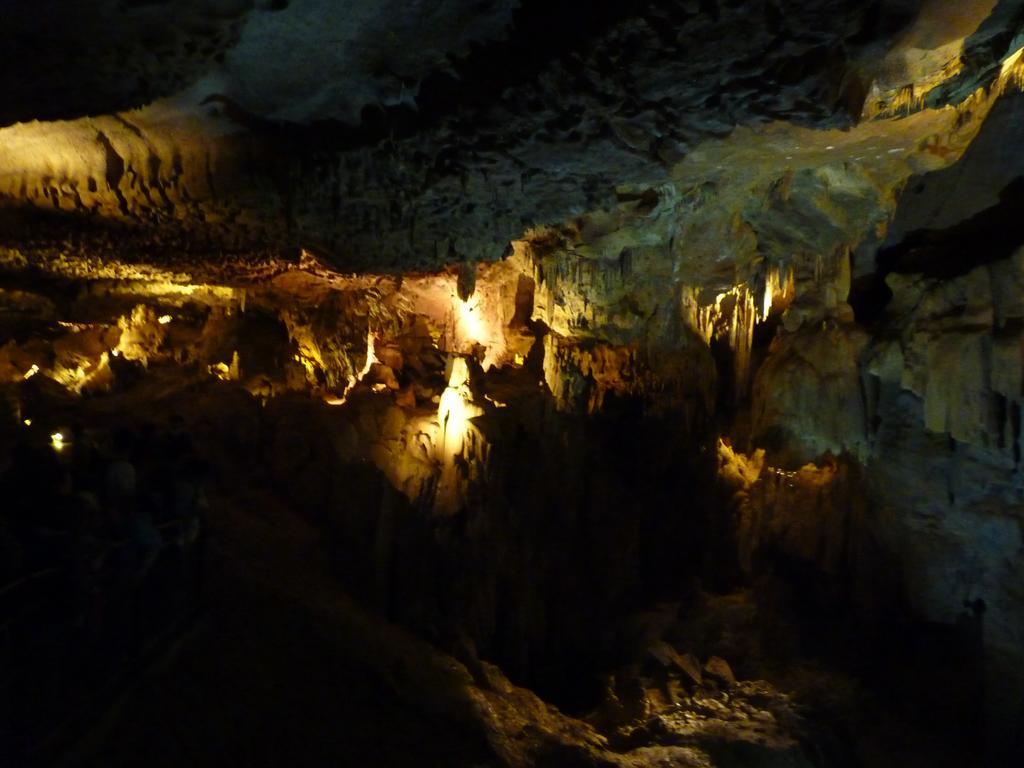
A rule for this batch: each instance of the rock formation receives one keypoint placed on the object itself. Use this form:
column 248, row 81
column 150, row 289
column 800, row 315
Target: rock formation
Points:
column 661, row 362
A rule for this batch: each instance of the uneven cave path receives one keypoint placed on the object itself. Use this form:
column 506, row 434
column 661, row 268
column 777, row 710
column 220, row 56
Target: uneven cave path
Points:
column 281, row 670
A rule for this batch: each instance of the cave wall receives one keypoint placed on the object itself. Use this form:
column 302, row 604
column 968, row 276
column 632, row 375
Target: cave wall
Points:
column 920, row 404
column 685, row 312
column 602, row 339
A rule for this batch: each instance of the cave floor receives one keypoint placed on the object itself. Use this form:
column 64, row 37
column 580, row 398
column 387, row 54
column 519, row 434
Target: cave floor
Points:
column 280, row 669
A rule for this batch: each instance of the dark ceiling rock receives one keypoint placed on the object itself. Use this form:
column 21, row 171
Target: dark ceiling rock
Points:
column 62, row 58
column 307, row 60
column 387, row 140
column 448, row 166
column 297, row 60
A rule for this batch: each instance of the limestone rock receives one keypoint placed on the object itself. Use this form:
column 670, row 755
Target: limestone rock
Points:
column 718, row 669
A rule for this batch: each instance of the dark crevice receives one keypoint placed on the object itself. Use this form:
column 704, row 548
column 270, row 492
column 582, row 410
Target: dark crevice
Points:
column 115, row 169
column 130, row 126
column 1000, row 417
column 987, row 237
column 1015, row 430
column 869, row 296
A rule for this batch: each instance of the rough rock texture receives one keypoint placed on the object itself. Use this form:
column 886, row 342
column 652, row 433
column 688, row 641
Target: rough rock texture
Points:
column 547, row 126
column 543, row 331
column 298, row 60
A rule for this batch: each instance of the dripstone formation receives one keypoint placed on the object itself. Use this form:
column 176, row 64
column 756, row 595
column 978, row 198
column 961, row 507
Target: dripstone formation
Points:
column 632, row 385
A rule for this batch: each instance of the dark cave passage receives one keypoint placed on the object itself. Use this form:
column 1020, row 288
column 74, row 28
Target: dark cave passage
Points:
column 295, row 537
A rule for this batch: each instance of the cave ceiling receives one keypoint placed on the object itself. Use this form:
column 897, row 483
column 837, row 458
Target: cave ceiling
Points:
column 218, row 136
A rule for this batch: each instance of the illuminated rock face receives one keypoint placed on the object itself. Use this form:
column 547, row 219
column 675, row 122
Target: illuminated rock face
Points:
column 702, row 296
column 551, row 124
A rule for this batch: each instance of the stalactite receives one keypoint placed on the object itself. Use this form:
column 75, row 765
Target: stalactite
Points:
column 741, row 338
column 734, row 315
column 913, row 97
column 778, row 291
column 700, row 318
column 1011, row 74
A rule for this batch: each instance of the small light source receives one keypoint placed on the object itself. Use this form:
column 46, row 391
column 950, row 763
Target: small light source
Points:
column 164, row 319
column 27, row 422
column 57, row 441
column 115, row 352
column 31, row 371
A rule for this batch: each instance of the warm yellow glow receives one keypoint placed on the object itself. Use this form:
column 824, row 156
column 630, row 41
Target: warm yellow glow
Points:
column 164, row 319
column 57, row 441
column 456, row 409
column 738, row 468
column 1011, row 62
column 225, row 371
column 371, row 358
column 734, row 314
column 31, row 371
column 371, row 355
column 308, row 365
column 471, row 322
column 477, row 322
column 452, row 415
column 458, row 376
column 27, row 422
column 1011, row 75
column 115, row 352
column 221, row 370
column 76, row 326
column 778, row 291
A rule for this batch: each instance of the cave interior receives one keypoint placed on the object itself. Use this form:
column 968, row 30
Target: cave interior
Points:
column 512, row 383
